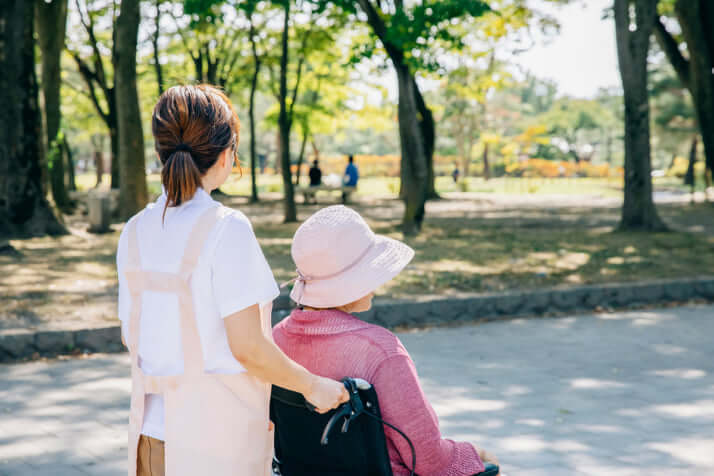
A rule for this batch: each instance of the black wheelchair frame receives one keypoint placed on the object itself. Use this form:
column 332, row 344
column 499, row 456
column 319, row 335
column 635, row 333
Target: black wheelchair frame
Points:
column 307, row 445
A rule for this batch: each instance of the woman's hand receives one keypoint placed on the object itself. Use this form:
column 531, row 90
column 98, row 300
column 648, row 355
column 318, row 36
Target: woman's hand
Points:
column 326, row 394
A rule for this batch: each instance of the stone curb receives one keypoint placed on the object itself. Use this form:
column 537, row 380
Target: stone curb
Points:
column 22, row 345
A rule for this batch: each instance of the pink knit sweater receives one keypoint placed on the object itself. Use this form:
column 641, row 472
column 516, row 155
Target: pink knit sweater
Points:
column 336, row 344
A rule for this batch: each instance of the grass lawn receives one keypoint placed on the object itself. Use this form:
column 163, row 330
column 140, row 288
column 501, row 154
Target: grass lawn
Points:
column 389, row 186
column 471, row 243
column 466, row 250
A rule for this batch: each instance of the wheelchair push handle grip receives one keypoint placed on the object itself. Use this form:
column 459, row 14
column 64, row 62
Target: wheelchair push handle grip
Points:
column 341, row 413
column 347, row 410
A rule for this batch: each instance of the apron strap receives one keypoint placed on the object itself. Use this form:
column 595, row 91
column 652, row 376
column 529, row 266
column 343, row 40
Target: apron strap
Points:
column 191, row 342
column 134, row 264
column 197, row 239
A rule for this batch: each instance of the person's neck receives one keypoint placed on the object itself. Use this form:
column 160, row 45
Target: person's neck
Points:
column 208, row 184
column 314, row 309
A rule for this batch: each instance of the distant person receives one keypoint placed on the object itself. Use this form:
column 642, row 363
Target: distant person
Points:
column 315, row 174
column 351, row 173
column 351, row 176
column 455, row 174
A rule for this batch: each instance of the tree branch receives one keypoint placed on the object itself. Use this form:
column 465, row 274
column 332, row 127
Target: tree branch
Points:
column 99, row 74
column 272, row 82
column 301, row 62
column 380, row 29
column 671, row 49
column 184, row 40
column 89, row 77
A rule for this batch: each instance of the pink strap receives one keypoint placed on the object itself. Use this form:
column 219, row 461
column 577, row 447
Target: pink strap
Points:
column 140, row 281
column 191, row 341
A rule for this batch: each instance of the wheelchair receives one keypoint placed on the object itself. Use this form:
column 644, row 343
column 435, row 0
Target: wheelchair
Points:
column 309, row 444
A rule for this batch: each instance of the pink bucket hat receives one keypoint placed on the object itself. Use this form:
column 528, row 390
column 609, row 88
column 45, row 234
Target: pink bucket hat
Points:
column 340, row 260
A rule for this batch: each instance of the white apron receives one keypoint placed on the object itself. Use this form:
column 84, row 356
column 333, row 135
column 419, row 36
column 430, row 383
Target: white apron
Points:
column 215, row 424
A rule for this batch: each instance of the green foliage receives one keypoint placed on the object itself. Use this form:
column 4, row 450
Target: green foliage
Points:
column 414, row 29
column 55, row 152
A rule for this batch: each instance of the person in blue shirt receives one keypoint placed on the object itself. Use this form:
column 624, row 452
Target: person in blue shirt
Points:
column 351, row 173
column 350, row 178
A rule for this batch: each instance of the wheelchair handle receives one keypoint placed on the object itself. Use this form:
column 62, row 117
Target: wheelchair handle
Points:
column 347, row 410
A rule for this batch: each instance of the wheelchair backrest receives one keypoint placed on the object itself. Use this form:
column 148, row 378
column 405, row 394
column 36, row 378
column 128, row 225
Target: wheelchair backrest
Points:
column 361, row 451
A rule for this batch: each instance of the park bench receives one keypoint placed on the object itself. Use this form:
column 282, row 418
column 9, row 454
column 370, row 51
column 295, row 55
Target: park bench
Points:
column 309, row 194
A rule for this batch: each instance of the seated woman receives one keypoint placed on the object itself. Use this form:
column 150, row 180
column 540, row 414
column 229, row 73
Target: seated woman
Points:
column 340, row 263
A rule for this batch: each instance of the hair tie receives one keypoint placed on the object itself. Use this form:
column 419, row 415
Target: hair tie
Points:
column 183, row 147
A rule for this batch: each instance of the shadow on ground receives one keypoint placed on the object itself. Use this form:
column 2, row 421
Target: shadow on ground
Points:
column 612, row 394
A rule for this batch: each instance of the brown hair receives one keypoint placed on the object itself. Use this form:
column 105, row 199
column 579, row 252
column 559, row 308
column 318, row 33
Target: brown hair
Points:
column 192, row 125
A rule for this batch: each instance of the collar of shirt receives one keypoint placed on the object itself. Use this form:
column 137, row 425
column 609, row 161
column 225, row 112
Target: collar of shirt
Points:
column 200, row 195
column 324, row 322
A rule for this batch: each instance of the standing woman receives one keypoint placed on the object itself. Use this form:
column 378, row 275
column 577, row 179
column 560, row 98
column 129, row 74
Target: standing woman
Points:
column 195, row 296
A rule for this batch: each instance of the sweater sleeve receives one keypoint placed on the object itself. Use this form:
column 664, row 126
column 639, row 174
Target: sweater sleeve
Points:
column 404, row 405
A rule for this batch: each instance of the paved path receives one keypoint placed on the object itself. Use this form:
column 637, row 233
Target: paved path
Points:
column 614, row 394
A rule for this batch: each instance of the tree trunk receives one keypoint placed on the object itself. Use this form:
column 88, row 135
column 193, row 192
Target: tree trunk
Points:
column 426, row 124
column 155, row 44
column 305, row 135
column 251, row 116
column 689, row 176
column 415, row 164
column 23, row 207
column 486, row 166
column 133, row 194
column 694, row 17
column 415, row 174
column 284, row 123
column 114, row 158
column 56, row 163
column 51, row 22
column 638, row 211
column 71, row 182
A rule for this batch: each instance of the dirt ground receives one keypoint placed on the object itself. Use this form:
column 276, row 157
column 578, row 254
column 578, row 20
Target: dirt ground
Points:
column 472, row 243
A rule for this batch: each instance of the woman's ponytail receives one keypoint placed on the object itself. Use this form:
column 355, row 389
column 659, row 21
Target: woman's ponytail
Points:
column 180, row 178
column 192, row 126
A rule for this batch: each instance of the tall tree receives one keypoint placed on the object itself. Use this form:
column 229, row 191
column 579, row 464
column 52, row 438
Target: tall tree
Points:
column 634, row 22
column 155, row 46
column 695, row 18
column 51, row 22
column 314, row 34
column 403, row 29
column 261, row 42
column 133, row 194
column 98, row 77
column 257, row 64
column 285, row 118
column 23, row 207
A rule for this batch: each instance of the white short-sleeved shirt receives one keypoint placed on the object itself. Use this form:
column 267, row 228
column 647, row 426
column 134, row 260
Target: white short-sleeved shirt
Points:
column 232, row 274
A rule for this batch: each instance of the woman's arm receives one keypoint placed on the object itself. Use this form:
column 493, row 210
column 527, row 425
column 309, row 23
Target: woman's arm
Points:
column 262, row 358
column 404, row 405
